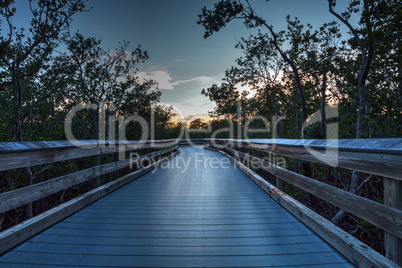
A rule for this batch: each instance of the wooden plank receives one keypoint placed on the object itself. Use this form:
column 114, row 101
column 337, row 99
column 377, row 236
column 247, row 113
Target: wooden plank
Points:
column 209, row 146
column 385, row 217
column 19, row 233
column 183, row 251
column 18, row 147
column 356, row 251
column 384, row 145
column 14, row 156
column 97, row 162
column 178, row 261
column 393, row 198
column 279, row 184
column 195, row 141
column 189, row 219
column 14, row 147
column 20, row 197
column 381, row 157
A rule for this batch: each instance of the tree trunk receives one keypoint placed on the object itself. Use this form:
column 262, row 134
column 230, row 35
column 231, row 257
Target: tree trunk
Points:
column 312, row 199
column 323, row 96
column 17, row 104
column 367, row 53
column 28, row 207
column 292, row 65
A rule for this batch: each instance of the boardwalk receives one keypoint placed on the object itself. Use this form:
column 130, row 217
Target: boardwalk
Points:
column 180, row 216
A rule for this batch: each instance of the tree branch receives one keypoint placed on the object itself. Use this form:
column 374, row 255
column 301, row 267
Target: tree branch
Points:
column 290, row 62
column 364, row 183
column 352, row 30
column 369, row 56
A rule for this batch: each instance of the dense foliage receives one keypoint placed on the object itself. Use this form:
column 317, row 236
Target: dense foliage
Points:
column 294, row 73
column 46, row 71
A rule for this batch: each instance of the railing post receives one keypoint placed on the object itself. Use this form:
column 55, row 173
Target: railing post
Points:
column 207, row 144
column 97, row 162
column 393, row 198
column 279, row 183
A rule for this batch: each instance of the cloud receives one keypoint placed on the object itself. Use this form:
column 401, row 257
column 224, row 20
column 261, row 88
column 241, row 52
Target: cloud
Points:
column 165, row 80
column 199, row 102
column 184, row 95
column 190, row 108
column 186, row 110
column 161, row 76
column 203, row 80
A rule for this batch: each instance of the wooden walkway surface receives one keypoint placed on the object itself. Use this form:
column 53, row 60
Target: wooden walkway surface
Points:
column 199, row 216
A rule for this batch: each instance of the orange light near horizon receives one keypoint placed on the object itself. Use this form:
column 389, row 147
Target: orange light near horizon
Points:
column 188, row 118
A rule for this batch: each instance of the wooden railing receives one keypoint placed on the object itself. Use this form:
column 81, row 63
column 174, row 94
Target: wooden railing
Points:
column 381, row 157
column 15, row 155
column 190, row 142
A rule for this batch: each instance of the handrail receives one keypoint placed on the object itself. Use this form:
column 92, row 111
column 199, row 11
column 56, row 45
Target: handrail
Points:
column 24, row 154
column 381, row 157
column 22, row 196
column 376, row 156
column 381, row 145
column 12, row 147
column 356, row 251
column 15, row 235
column 385, row 217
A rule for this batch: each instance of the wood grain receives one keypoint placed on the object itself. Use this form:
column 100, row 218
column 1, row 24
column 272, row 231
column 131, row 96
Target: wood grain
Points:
column 381, row 157
column 20, row 197
column 385, row 217
column 357, row 252
column 24, row 154
column 19, row 233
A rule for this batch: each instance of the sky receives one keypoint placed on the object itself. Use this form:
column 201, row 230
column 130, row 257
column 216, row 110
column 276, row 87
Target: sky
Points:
column 181, row 60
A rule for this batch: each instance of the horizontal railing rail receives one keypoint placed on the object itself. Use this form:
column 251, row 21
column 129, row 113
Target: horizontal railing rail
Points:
column 381, row 157
column 191, row 141
column 24, row 154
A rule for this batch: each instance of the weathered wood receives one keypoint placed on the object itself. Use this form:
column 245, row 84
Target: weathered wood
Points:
column 18, row 147
column 166, row 219
column 393, row 198
column 17, row 155
column 19, row 197
column 356, row 251
column 19, row 233
column 208, row 146
column 97, row 162
column 386, row 145
column 381, row 157
column 279, row 184
column 385, row 217
column 190, row 142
